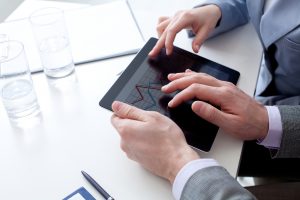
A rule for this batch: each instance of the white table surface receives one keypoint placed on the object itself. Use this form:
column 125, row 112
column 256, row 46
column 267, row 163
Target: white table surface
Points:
column 42, row 159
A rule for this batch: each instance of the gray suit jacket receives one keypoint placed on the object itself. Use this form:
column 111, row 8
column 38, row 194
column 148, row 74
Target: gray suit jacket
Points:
column 279, row 32
column 215, row 182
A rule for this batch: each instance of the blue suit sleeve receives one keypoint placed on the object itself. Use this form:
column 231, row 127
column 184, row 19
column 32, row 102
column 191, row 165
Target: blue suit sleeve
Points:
column 234, row 14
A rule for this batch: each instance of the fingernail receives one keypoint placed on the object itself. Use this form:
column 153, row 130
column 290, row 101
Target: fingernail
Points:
column 164, row 87
column 170, row 104
column 196, row 107
column 116, row 106
column 188, row 70
column 171, row 75
column 197, row 48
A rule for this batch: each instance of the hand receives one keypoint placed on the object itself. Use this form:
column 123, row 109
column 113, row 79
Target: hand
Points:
column 152, row 139
column 240, row 115
column 201, row 20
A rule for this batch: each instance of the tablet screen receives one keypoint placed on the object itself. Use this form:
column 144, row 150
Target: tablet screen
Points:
column 140, row 85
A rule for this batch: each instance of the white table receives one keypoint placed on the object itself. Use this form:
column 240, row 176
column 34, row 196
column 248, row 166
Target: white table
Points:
column 43, row 160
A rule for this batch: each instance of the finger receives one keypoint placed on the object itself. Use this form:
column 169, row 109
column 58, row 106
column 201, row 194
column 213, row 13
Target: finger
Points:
column 158, row 46
column 122, row 125
column 128, row 129
column 172, row 30
column 162, row 18
column 209, row 113
column 201, row 92
column 160, row 28
column 119, row 123
column 126, row 111
column 189, row 79
column 174, row 76
column 200, row 37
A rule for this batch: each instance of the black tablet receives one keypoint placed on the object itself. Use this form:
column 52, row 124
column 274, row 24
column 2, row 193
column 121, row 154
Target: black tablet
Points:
column 140, row 85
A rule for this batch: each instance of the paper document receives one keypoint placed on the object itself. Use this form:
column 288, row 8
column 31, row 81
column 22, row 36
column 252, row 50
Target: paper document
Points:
column 95, row 32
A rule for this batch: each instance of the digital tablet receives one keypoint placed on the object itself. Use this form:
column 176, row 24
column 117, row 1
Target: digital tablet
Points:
column 140, row 85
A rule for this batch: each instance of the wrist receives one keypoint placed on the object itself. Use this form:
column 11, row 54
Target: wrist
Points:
column 264, row 122
column 216, row 12
column 179, row 161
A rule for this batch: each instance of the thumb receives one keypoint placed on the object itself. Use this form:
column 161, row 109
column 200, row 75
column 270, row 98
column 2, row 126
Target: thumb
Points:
column 209, row 113
column 126, row 111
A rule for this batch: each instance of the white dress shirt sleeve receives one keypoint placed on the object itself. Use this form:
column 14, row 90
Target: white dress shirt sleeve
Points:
column 273, row 138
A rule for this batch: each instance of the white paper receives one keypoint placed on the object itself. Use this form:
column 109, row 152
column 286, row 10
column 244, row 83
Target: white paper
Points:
column 77, row 197
column 95, row 32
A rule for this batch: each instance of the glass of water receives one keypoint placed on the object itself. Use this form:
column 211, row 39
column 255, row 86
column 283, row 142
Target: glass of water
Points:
column 3, row 38
column 52, row 40
column 17, row 92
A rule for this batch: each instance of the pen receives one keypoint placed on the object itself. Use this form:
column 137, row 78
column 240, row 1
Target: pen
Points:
column 96, row 186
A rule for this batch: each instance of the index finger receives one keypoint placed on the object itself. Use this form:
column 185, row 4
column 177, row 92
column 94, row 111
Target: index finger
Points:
column 190, row 78
column 201, row 92
column 158, row 46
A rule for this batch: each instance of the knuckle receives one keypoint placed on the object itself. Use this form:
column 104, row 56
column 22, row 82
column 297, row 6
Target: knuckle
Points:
column 160, row 19
column 113, row 119
column 179, row 12
column 131, row 156
column 123, row 146
column 154, row 115
column 171, row 31
column 159, row 28
column 201, row 74
column 193, row 87
column 123, row 131
column 225, row 90
column 129, row 111
column 163, row 18
column 194, row 78
column 229, row 84
column 174, row 84
column 210, row 113
column 186, row 14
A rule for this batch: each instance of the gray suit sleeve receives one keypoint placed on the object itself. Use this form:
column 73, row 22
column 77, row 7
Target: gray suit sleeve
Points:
column 214, row 183
column 234, row 14
column 290, row 142
column 279, row 100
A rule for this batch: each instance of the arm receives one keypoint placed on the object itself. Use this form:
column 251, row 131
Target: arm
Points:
column 159, row 145
column 239, row 114
column 283, row 136
column 214, row 183
column 202, row 20
column 290, row 148
column 245, row 118
column 279, row 99
column 234, row 14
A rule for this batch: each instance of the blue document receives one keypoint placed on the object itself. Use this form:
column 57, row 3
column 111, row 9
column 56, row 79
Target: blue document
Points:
column 80, row 194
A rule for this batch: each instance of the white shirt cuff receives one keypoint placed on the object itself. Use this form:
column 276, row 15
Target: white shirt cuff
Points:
column 273, row 138
column 187, row 171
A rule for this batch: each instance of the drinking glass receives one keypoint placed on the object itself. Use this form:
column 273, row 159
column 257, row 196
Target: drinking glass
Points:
column 3, row 38
column 16, row 86
column 52, row 40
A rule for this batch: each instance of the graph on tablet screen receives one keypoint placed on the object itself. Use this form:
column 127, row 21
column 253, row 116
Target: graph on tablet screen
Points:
column 147, row 92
